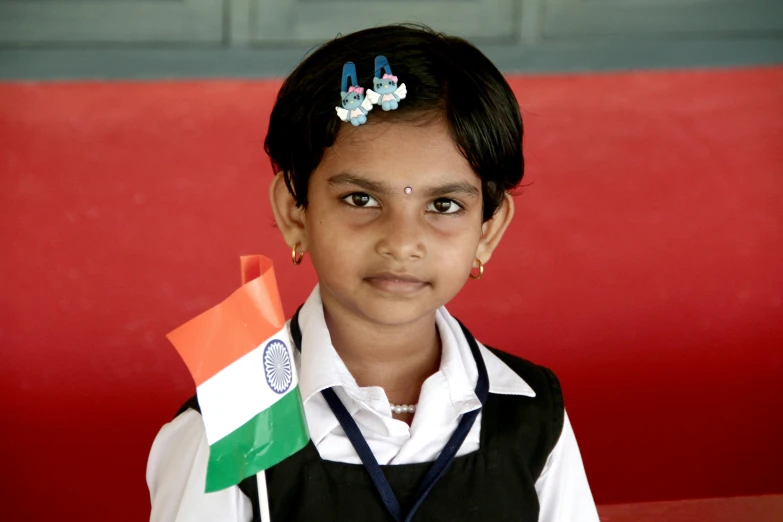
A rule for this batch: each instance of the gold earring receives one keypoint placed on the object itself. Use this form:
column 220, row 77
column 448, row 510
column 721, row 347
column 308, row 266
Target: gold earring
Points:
column 296, row 258
column 480, row 272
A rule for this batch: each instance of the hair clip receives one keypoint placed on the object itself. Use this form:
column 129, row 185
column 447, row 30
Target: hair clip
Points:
column 387, row 94
column 355, row 105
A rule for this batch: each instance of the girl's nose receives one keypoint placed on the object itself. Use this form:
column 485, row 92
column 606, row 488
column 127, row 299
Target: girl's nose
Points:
column 401, row 237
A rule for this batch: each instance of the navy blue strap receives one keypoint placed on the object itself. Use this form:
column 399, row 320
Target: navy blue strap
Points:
column 359, row 443
column 446, row 456
column 365, row 453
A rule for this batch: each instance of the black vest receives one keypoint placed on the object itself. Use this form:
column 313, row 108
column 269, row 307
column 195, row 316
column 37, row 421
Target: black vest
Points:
column 496, row 483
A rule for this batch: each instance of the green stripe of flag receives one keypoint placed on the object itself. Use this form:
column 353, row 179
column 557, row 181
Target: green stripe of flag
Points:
column 271, row 436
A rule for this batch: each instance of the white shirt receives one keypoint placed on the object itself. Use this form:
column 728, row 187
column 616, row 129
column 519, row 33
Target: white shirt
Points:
column 176, row 469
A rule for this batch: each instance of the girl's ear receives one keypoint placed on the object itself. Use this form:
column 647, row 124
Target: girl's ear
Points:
column 492, row 231
column 289, row 218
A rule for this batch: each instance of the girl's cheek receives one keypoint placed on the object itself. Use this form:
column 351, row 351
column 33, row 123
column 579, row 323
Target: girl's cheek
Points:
column 432, row 228
column 452, row 227
column 334, row 214
column 358, row 219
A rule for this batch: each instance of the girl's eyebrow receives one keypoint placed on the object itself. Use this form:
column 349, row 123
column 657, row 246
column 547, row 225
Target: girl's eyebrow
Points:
column 463, row 188
column 378, row 187
column 341, row 180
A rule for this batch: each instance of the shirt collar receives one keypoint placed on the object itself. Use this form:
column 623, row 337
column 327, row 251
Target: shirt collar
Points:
column 502, row 379
column 320, row 367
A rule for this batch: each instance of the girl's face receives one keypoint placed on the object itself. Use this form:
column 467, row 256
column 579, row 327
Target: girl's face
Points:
column 389, row 256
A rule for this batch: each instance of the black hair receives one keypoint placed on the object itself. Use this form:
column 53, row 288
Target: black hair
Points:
column 443, row 75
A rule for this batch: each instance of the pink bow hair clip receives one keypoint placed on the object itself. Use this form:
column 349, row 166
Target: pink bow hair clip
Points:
column 354, row 105
column 385, row 91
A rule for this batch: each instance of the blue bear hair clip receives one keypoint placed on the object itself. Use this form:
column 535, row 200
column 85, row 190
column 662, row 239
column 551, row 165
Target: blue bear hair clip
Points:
column 355, row 105
column 387, row 94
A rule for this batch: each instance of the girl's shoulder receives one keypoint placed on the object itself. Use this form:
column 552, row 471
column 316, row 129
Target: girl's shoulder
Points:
column 540, row 378
column 176, row 474
column 526, row 427
column 547, row 404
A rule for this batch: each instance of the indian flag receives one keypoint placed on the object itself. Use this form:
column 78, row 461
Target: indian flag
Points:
column 240, row 355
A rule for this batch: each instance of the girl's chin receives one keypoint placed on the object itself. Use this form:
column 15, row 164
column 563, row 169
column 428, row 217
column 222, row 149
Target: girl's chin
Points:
column 391, row 310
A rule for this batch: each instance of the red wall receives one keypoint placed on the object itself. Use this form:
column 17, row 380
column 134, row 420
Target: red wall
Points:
column 644, row 266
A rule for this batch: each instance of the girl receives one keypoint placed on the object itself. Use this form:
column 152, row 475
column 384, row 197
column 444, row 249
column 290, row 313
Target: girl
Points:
column 410, row 418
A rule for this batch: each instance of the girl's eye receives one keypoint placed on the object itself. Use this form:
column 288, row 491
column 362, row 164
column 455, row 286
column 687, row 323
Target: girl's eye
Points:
column 444, row 206
column 360, row 199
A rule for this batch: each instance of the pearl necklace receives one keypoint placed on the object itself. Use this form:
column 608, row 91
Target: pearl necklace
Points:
column 403, row 408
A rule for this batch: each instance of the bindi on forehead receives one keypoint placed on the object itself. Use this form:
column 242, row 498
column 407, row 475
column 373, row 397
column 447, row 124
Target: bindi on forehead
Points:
column 399, row 159
column 357, row 181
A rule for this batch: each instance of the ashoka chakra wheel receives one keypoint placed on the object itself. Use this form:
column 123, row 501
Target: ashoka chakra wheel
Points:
column 277, row 366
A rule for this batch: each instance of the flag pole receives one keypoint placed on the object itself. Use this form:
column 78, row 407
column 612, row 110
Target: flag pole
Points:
column 250, row 269
column 263, row 497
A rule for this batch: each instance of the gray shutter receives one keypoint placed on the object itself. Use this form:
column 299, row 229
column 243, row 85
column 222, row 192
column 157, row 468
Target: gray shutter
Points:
column 58, row 22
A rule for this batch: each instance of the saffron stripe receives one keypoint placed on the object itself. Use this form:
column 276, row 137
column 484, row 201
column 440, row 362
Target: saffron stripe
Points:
column 221, row 335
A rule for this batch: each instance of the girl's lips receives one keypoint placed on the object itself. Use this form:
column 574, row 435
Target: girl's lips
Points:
column 400, row 284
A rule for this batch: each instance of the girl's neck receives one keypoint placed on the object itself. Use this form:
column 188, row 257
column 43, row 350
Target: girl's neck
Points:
column 397, row 358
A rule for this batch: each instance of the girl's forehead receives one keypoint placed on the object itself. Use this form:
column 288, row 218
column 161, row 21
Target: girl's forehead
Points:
column 397, row 151
column 396, row 142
